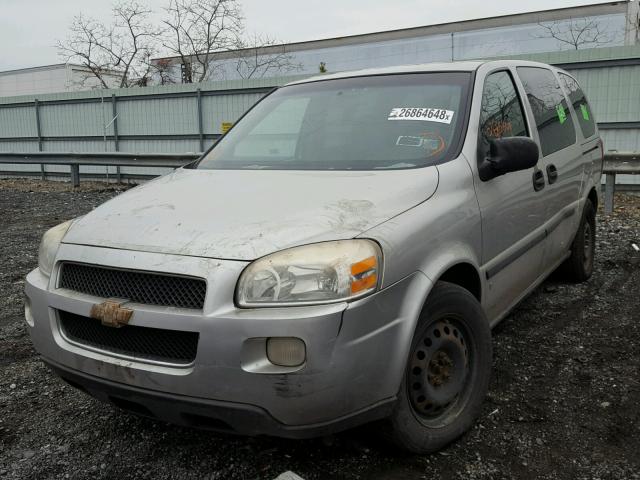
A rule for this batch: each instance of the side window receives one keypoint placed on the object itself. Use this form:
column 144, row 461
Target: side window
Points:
column 501, row 112
column 550, row 109
column 580, row 105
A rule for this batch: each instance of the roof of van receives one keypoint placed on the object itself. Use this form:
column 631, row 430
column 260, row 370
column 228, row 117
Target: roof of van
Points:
column 466, row 66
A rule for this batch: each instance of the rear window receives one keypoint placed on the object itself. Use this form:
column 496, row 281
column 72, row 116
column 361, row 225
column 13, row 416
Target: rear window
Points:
column 580, row 105
column 363, row 123
column 550, row 109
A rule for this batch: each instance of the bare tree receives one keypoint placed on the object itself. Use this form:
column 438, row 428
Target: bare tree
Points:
column 577, row 33
column 255, row 61
column 632, row 28
column 198, row 29
column 118, row 54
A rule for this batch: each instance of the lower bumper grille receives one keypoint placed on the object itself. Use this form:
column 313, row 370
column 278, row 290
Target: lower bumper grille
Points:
column 171, row 346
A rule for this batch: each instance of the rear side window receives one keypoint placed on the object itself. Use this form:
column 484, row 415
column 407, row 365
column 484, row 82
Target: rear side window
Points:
column 580, row 105
column 501, row 112
column 550, row 109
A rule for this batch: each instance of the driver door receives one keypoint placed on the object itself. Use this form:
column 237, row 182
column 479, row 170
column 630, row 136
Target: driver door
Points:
column 511, row 205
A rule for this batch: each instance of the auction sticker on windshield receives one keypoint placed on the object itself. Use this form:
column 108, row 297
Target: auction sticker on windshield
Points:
column 421, row 113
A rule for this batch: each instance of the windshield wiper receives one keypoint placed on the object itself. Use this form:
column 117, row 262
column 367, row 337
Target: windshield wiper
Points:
column 255, row 167
column 396, row 165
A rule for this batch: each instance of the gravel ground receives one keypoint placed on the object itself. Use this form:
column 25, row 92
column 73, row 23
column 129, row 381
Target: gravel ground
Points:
column 564, row 402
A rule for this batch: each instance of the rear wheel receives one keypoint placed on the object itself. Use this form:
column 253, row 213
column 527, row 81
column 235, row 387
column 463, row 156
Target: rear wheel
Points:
column 579, row 266
column 447, row 372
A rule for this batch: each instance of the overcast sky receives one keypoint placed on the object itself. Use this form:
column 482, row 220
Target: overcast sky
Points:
column 29, row 28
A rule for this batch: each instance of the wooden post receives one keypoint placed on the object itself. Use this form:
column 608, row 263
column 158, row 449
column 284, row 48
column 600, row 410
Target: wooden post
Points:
column 609, row 190
column 75, row 174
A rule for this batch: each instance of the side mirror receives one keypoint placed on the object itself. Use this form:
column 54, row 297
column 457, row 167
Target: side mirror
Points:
column 509, row 154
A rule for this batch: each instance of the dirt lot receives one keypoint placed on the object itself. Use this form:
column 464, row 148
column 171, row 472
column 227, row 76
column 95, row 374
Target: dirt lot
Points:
column 564, row 401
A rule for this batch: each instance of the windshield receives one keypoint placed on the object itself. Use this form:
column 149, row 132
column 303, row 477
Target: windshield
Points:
column 363, row 123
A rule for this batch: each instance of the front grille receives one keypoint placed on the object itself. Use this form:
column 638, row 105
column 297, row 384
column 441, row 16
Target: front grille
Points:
column 136, row 286
column 171, row 346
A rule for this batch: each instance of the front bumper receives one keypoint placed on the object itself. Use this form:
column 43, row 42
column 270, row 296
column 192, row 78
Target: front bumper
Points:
column 356, row 351
column 228, row 417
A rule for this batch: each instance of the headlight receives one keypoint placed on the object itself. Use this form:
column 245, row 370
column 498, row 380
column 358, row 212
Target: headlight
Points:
column 49, row 246
column 319, row 273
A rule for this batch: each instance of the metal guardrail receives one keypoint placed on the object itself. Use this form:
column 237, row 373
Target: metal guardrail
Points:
column 615, row 163
column 117, row 159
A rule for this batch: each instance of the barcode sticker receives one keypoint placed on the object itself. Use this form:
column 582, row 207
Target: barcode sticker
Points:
column 421, row 113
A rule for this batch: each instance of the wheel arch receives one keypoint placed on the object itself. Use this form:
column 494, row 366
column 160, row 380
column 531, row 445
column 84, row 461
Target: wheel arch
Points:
column 456, row 268
column 465, row 275
column 461, row 271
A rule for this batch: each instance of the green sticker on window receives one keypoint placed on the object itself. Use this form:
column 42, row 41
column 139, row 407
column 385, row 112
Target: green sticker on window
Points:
column 585, row 112
column 561, row 115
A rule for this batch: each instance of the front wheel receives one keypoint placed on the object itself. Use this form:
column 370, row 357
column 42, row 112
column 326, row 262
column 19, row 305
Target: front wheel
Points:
column 447, row 373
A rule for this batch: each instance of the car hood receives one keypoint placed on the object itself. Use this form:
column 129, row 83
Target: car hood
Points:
column 245, row 214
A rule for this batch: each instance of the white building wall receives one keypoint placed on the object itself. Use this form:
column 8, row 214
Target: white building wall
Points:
column 49, row 79
column 33, row 81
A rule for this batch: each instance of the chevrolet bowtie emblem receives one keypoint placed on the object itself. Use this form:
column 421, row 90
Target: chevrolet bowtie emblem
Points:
column 111, row 313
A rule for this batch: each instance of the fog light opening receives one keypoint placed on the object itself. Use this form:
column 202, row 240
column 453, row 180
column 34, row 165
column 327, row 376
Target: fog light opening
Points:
column 28, row 314
column 286, row 351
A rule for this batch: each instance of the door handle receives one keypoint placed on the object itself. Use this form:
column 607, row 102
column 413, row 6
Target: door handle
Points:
column 552, row 173
column 538, row 180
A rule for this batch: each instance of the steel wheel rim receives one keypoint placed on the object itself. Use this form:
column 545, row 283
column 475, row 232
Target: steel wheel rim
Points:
column 439, row 372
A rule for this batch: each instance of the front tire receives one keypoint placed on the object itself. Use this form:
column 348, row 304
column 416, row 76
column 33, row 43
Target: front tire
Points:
column 447, row 373
column 579, row 266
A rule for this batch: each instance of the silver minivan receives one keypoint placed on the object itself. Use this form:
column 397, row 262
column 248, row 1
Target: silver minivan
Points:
column 338, row 257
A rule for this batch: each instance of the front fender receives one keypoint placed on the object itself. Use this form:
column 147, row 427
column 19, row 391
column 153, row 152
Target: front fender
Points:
column 376, row 336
